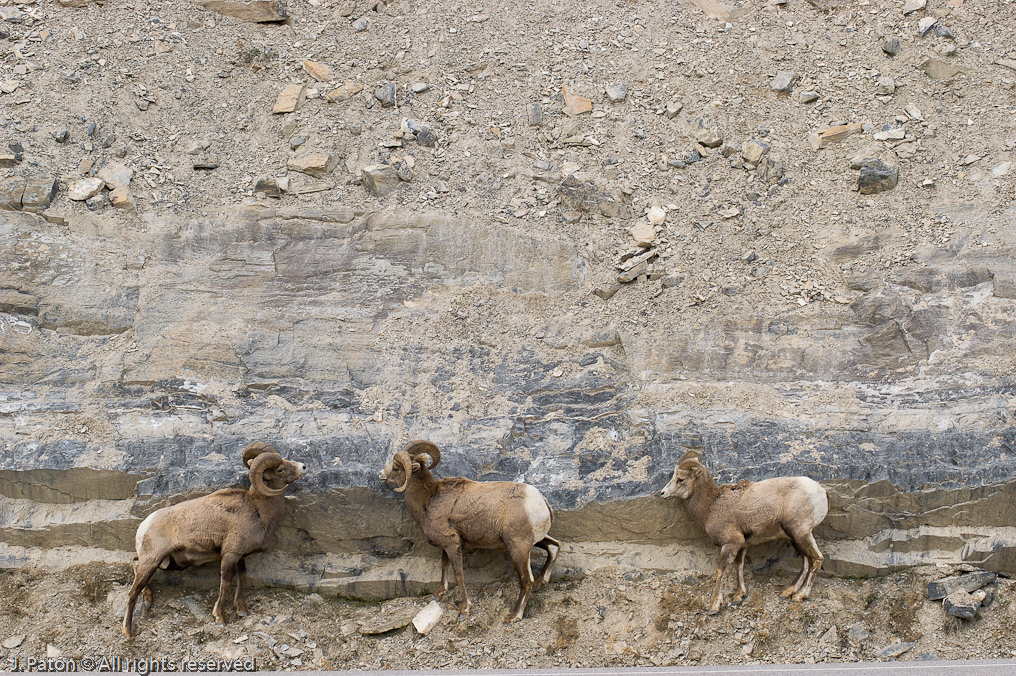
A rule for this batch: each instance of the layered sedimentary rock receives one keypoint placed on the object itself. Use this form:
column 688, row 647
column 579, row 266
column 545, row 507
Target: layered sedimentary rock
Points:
column 136, row 365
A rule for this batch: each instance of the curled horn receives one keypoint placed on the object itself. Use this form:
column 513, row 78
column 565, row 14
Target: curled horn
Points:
column 254, row 449
column 690, row 455
column 261, row 463
column 421, row 446
column 402, row 460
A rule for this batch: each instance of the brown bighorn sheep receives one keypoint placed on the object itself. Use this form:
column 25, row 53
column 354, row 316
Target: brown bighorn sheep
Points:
column 748, row 513
column 226, row 525
column 456, row 512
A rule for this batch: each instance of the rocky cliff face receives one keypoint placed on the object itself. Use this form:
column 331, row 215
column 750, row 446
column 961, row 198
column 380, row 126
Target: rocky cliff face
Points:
column 136, row 365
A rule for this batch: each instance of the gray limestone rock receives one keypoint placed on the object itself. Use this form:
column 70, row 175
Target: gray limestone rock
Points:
column 386, row 95
column 784, row 81
column 962, row 604
column 970, row 582
column 617, row 92
column 38, row 195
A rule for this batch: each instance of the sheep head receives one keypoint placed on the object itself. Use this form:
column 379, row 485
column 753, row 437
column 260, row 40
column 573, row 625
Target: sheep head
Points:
column 412, row 456
column 270, row 474
column 687, row 471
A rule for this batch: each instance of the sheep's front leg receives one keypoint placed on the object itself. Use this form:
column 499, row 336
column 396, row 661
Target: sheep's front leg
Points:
column 727, row 555
column 226, row 569
column 454, row 553
column 241, row 580
column 742, row 591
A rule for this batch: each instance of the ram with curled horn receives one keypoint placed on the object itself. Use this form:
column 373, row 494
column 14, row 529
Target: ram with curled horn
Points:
column 457, row 513
column 226, row 526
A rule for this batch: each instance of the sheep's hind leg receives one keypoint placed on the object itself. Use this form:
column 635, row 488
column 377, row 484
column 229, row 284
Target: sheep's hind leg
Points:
column 799, row 580
column 814, row 562
column 241, row 580
column 443, row 588
column 454, row 553
column 742, row 591
column 727, row 555
column 142, row 575
column 552, row 547
column 226, row 570
column 520, row 559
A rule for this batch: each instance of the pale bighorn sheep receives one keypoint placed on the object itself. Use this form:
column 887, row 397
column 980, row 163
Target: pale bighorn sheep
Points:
column 748, row 513
column 224, row 526
column 456, row 512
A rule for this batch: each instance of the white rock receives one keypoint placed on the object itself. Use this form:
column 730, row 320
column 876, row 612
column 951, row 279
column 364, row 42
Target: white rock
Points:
column 14, row 641
column 427, row 619
column 656, row 215
column 83, row 188
column 52, row 651
column 913, row 6
column 925, row 24
column 1001, row 170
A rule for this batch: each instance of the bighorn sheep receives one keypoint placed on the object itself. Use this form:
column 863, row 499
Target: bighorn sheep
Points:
column 457, row 512
column 226, row 525
column 737, row 517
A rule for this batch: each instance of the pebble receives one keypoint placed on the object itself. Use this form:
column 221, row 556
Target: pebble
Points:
column 913, row 5
column 290, row 99
column 656, row 215
column 617, row 92
column 857, row 632
column 420, row 87
column 876, row 177
column 14, row 641
column 380, row 179
column 205, row 166
column 11, row 14
column 386, row 95
column 60, row 136
column 892, row 46
column 808, row 97
column 360, row 25
column 784, row 81
column 97, row 202
column 963, row 604
column 297, row 141
column 926, row 24
column 81, row 189
column 673, row 108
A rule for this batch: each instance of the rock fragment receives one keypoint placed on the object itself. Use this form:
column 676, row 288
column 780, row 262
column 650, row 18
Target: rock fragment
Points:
column 318, row 71
column 970, row 582
column 290, row 99
column 617, row 92
column 963, row 604
column 60, row 136
column 535, row 115
column 269, row 186
column 886, row 86
column 38, row 195
column 673, row 108
column 313, row 164
column 926, row 24
column 607, row 292
column 752, row 152
column 116, row 174
column 892, row 46
column 895, row 649
column 427, row 138
column 912, row 6
column 784, row 81
column 380, row 179
column 81, row 189
column 643, row 233
column 386, row 95
column 258, row 11
column 120, row 197
column 11, row 192
column 344, row 92
column 575, row 104
column 876, row 177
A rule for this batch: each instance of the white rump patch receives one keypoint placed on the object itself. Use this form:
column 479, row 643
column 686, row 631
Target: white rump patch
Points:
column 817, row 495
column 538, row 513
column 142, row 531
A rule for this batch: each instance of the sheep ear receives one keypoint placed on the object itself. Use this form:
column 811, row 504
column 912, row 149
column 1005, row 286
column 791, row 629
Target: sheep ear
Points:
column 696, row 470
column 416, row 467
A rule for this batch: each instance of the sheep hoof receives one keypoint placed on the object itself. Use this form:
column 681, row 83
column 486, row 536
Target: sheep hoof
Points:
column 788, row 592
column 800, row 596
column 734, row 602
column 128, row 633
column 511, row 619
column 241, row 613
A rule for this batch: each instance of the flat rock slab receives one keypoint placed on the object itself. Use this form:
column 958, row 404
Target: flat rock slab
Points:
column 313, row 164
column 83, row 188
column 393, row 615
column 380, row 179
column 290, row 99
column 259, row 11
column 937, row 69
column 38, row 195
column 344, row 92
column 968, row 583
column 575, row 104
column 895, row 649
